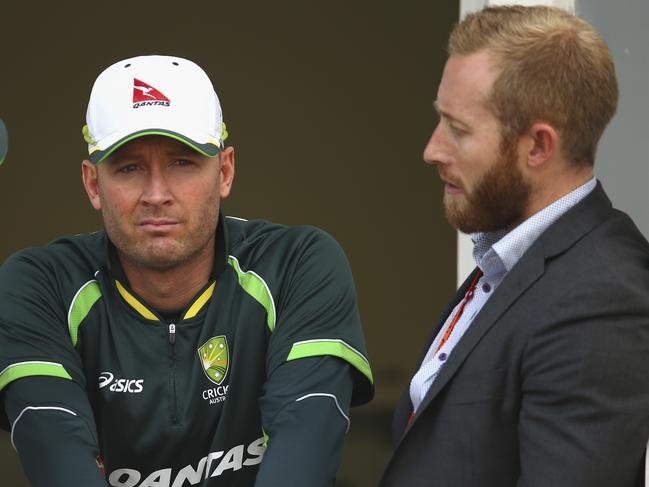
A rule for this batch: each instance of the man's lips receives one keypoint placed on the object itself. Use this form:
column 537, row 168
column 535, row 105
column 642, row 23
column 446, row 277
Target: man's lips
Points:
column 450, row 186
column 157, row 224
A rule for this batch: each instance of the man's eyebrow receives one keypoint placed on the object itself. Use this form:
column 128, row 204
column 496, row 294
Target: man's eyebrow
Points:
column 447, row 115
column 183, row 153
column 119, row 156
column 441, row 112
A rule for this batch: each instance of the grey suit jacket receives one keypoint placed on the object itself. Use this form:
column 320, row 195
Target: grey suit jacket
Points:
column 549, row 386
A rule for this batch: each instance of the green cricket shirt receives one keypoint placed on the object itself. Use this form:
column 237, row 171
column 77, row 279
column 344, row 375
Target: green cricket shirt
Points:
column 177, row 403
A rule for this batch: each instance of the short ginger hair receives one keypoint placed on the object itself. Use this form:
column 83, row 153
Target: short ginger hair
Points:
column 554, row 68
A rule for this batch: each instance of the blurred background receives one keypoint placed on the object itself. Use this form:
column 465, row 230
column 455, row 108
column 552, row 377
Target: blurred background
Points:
column 328, row 105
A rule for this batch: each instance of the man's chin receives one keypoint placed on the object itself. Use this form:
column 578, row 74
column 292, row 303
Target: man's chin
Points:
column 158, row 257
column 461, row 220
column 461, row 226
column 454, row 210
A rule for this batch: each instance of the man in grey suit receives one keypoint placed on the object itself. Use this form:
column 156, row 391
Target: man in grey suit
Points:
column 537, row 373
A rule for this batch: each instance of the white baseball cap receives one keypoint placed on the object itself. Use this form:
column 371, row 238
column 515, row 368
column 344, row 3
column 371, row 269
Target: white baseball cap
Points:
column 153, row 95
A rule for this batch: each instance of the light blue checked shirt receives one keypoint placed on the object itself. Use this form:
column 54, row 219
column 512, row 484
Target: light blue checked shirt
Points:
column 495, row 253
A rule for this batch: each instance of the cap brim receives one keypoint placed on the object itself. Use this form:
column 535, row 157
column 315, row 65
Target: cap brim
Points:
column 209, row 149
column 4, row 141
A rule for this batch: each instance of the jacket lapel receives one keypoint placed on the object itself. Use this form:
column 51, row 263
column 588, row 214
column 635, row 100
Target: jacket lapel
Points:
column 571, row 227
column 516, row 283
column 404, row 405
column 459, row 295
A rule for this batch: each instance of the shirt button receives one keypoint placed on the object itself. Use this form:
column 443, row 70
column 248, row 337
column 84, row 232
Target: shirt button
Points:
column 486, row 287
column 442, row 356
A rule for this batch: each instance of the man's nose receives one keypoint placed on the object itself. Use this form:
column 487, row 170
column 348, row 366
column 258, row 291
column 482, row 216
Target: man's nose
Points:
column 435, row 151
column 157, row 190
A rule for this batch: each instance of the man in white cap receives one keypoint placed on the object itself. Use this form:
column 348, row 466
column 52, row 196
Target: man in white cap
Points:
column 177, row 347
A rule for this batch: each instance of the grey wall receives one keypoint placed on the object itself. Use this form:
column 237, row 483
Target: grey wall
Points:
column 623, row 157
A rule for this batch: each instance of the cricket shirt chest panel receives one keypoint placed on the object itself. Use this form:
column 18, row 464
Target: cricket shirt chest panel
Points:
column 161, row 405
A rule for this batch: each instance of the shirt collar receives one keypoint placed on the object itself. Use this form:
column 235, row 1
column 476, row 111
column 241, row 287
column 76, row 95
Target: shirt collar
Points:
column 499, row 250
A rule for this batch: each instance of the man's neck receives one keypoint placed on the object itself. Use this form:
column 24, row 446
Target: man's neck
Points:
column 549, row 192
column 561, row 187
column 174, row 288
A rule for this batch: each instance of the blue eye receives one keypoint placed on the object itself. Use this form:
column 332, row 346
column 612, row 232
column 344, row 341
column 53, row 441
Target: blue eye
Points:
column 455, row 129
column 128, row 168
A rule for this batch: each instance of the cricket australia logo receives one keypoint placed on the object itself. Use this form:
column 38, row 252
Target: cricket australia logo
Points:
column 215, row 359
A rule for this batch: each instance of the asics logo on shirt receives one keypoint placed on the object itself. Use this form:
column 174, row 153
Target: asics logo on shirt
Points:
column 133, row 386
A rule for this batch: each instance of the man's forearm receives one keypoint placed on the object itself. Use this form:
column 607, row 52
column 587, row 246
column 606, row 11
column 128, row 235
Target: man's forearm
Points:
column 306, row 428
column 52, row 434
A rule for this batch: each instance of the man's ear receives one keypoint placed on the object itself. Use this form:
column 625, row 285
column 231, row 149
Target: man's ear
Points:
column 226, row 171
column 543, row 144
column 89, row 173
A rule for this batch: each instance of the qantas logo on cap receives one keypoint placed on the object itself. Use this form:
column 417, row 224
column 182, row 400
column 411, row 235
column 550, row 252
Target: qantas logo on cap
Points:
column 146, row 95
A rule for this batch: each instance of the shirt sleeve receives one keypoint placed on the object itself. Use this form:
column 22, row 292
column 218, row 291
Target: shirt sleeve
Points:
column 34, row 335
column 317, row 313
column 305, row 414
column 53, row 431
